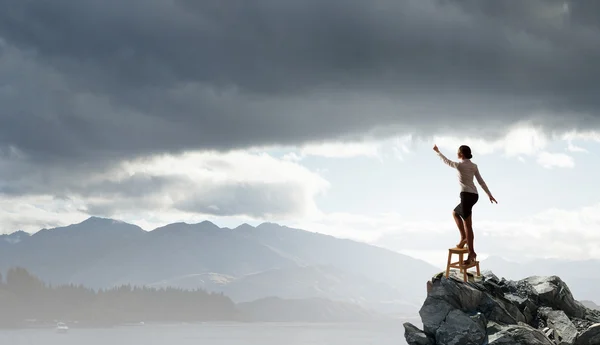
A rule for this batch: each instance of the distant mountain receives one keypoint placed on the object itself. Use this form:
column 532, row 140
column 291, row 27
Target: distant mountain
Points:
column 376, row 263
column 274, row 309
column 590, row 304
column 581, row 276
column 246, row 262
column 322, row 282
column 182, row 249
column 13, row 238
column 57, row 255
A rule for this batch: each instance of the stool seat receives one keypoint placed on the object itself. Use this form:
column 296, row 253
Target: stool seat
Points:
column 456, row 250
column 459, row 264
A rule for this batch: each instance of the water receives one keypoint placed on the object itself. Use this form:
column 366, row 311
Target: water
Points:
column 217, row 334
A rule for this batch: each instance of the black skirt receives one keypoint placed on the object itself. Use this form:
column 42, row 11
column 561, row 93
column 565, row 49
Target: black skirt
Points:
column 465, row 208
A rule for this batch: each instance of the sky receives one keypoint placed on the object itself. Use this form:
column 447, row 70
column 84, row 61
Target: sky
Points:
column 319, row 115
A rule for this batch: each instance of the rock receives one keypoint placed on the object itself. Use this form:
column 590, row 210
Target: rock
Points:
column 582, row 325
column 554, row 293
column 458, row 294
column 490, row 276
column 592, row 315
column 589, row 337
column 524, row 303
column 536, row 310
column 472, row 298
column 565, row 331
column 550, row 333
column 433, row 313
column 493, row 328
column 415, row 336
column 460, row 328
column 521, row 334
column 504, row 311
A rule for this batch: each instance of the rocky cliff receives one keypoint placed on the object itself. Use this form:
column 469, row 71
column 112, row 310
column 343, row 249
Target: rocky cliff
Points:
column 489, row 310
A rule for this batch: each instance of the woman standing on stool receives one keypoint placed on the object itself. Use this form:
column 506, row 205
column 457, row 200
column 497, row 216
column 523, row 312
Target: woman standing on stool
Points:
column 468, row 196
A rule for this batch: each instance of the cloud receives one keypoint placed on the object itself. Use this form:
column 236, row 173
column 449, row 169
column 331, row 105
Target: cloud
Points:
column 32, row 213
column 573, row 148
column 361, row 227
column 523, row 140
column 342, row 150
column 586, row 135
column 559, row 160
column 395, row 146
column 558, row 233
column 520, row 139
column 91, row 81
column 241, row 184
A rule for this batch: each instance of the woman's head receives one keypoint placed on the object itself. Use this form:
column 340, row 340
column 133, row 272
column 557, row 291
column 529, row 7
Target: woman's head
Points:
column 464, row 152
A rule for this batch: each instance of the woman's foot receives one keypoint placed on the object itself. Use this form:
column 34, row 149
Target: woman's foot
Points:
column 461, row 244
column 470, row 259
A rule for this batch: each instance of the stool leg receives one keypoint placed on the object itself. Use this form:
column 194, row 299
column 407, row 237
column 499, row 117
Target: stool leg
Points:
column 478, row 272
column 462, row 266
column 448, row 265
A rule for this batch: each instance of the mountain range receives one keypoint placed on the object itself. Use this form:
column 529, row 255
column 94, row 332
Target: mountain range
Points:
column 246, row 263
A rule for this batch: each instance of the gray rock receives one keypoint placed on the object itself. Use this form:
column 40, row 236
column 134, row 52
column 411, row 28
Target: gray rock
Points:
column 460, row 328
column 565, row 331
column 493, row 328
column 415, row 336
column 521, row 334
column 504, row 311
column 460, row 295
column 550, row 333
column 433, row 313
column 592, row 315
column 469, row 298
column 529, row 314
column 589, row 337
column 554, row 293
column 490, row 276
column 582, row 325
column 535, row 310
column 522, row 302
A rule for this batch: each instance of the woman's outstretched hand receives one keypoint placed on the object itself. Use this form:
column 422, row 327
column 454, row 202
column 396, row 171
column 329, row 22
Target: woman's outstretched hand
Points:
column 493, row 200
column 435, row 148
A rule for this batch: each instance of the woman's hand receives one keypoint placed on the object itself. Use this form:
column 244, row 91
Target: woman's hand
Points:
column 435, row 148
column 492, row 200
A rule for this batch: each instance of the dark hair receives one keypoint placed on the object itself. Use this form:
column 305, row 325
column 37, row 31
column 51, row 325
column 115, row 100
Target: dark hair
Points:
column 466, row 151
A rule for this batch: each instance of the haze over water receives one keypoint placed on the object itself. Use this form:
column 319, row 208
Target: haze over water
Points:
column 217, row 334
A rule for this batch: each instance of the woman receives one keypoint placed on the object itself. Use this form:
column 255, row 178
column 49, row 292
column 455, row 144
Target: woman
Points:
column 468, row 196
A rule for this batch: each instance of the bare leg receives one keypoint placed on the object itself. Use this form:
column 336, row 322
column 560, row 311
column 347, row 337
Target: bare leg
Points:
column 461, row 229
column 470, row 238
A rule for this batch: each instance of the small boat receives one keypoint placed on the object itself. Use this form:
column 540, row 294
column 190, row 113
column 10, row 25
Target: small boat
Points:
column 134, row 324
column 61, row 327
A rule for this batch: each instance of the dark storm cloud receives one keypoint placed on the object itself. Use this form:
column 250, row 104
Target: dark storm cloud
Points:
column 101, row 80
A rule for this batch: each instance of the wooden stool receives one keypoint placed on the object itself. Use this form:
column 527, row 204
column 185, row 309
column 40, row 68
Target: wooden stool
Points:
column 459, row 264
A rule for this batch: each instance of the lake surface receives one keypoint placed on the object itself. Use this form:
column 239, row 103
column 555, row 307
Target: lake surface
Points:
column 217, row 334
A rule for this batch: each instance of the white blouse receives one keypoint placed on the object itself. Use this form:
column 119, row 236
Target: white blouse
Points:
column 466, row 171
